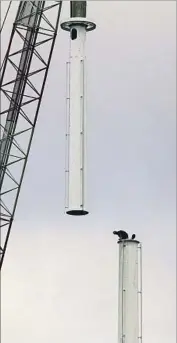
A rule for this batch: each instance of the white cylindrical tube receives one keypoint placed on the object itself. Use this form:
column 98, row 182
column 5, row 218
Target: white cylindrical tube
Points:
column 76, row 121
column 130, row 292
column 75, row 196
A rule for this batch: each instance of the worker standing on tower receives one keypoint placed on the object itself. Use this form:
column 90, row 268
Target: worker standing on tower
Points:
column 78, row 26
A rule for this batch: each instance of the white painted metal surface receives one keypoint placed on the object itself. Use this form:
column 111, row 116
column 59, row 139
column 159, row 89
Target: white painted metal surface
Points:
column 76, row 111
column 130, row 292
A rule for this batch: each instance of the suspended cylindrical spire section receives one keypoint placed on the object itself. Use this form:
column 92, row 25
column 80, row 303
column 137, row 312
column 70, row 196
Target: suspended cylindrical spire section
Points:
column 130, row 292
column 77, row 26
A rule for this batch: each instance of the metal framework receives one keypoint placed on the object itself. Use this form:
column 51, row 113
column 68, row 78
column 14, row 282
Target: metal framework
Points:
column 23, row 77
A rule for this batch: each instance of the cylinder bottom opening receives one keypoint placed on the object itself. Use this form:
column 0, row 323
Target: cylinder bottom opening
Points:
column 77, row 212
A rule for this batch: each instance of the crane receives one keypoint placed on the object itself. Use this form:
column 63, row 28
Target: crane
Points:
column 21, row 98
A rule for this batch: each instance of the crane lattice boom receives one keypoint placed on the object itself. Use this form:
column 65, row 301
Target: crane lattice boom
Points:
column 22, row 82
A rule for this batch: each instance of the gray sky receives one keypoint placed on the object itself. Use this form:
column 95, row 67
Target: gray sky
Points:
column 59, row 279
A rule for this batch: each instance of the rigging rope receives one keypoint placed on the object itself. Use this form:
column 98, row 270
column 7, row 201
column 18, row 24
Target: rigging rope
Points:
column 5, row 16
column 2, row 29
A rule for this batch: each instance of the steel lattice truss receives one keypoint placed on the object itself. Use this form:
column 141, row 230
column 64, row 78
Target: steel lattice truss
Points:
column 22, row 82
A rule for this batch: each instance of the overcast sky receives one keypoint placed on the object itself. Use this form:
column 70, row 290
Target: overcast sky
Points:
column 59, row 278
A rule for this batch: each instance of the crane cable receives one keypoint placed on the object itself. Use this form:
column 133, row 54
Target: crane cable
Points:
column 2, row 29
column 5, row 16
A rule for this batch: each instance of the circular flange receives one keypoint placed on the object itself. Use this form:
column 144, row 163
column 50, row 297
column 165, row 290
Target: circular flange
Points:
column 66, row 25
